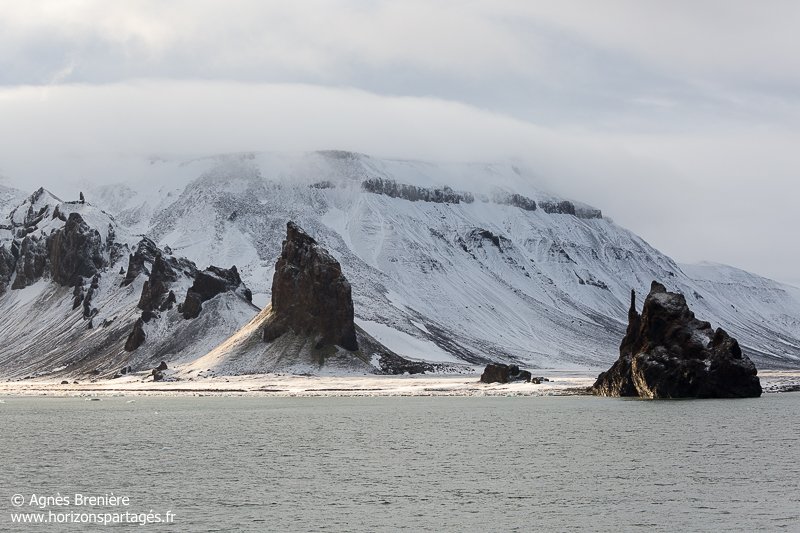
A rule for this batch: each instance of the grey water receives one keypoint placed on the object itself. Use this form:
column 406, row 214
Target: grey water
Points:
column 415, row 464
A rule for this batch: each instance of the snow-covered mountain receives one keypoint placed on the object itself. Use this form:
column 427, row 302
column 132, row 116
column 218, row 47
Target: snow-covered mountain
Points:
column 447, row 262
column 9, row 198
column 76, row 288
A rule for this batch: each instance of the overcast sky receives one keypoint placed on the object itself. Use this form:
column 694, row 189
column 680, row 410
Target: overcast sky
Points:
column 680, row 119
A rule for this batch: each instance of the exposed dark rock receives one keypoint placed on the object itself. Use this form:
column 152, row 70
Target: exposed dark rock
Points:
column 32, row 261
column 155, row 290
column 209, row 283
column 146, row 251
column 668, row 353
column 59, row 214
column 75, row 251
column 589, row 279
column 500, row 373
column 78, row 294
column 391, row 188
column 7, row 264
column 394, row 364
column 136, row 337
column 168, row 303
column 87, row 300
column 310, row 295
column 516, row 200
column 565, row 207
column 477, row 235
column 476, row 238
column 158, row 372
column 34, row 216
column 191, row 306
column 116, row 251
column 558, row 254
column 65, row 382
column 562, row 207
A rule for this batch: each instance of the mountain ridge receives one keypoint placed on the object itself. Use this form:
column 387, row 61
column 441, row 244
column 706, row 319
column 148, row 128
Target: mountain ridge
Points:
column 474, row 264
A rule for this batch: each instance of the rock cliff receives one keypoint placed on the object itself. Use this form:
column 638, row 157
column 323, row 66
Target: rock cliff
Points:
column 310, row 295
column 668, row 353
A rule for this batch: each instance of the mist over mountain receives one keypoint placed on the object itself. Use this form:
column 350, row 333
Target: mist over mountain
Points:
column 458, row 262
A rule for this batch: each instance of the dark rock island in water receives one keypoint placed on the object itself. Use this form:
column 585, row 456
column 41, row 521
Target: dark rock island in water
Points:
column 668, row 353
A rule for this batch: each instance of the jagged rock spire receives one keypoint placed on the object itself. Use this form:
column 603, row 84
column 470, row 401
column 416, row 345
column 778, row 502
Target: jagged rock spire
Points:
column 668, row 353
column 310, row 295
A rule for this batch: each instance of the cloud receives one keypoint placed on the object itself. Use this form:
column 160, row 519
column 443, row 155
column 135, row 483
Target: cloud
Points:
column 679, row 118
column 724, row 197
column 555, row 62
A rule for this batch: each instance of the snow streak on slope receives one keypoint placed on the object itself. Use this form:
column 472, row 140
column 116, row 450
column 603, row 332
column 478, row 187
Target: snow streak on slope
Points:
column 481, row 280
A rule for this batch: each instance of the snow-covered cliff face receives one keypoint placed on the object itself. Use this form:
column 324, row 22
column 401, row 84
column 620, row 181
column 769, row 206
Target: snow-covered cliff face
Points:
column 447, row 262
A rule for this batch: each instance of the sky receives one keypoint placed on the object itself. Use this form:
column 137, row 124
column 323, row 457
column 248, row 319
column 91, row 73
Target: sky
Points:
column 680, row 119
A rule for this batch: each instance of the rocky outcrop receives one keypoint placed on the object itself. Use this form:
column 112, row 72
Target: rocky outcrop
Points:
column 563, row 207
column 158, row 372
column 146, row 251
column 413, row 193
column 391, row 363
column 477, row 237
column 88, row 310
column 310, row 295
column 7, row 263
column 68, row 254
column 500, row 373
column 668, row 353
column 136, row 337
column 75, row 252
column 32, row 261
column 208, row 284
column 513, row 199
column 155, row 291
column 163, row 270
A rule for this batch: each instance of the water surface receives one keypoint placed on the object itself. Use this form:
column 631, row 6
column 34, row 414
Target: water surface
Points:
column 419, row 464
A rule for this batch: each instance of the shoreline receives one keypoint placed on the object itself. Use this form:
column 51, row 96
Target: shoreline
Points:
column 562, row 383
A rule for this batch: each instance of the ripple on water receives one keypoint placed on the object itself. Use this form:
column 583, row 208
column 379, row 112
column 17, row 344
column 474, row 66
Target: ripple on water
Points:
column 449, row 464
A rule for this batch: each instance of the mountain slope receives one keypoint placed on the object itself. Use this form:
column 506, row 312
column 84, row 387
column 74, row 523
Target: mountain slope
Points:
column 75, row 284
column 9, row 198
column 490, row 269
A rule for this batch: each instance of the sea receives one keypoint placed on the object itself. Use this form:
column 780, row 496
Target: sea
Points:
column 367, row 464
